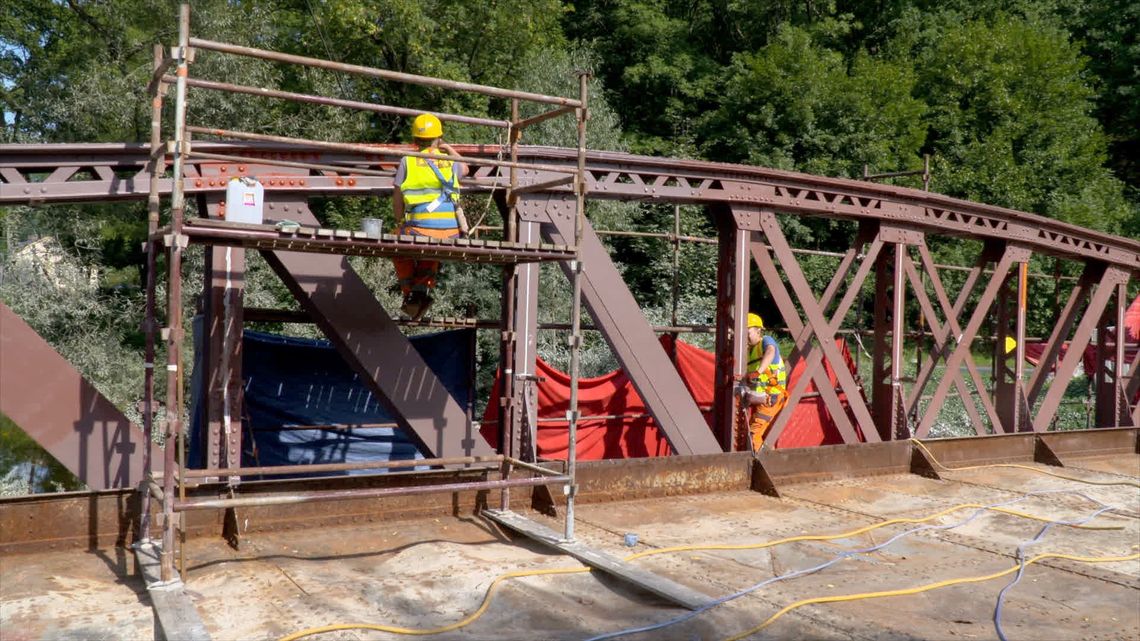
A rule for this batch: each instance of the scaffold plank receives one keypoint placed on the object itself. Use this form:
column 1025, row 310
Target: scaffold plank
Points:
column 665, row 588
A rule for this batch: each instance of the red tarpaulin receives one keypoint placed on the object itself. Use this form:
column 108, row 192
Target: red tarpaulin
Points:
column 1132, row 321
column 624, row 428
column 1034, row 351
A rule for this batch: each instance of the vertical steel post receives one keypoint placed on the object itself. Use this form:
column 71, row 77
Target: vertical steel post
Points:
column 733, row 272
column 508, row 404
column 899, row 428
column 881, row 351
column 157, row 164
column 510, row 214
column 676, row 265
column 1009, row 363
column 1111, row 409
column 1021, row 408
column 741, row 305
column 1119, row 391
column 1004, row 384
column 576, row 307
column 174, row 329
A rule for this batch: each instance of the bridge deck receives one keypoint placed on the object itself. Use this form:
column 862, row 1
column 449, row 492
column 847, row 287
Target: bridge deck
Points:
column 434, row 571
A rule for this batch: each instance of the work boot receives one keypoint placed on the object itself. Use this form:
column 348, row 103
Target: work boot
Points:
column 413, row 304
column 425, row 304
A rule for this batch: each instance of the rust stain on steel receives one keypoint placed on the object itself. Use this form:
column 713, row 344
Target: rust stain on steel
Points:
column 830, row 462
column 1098, row 442
column 94, row 519
column 981, row 450
column 68, row 521
column 613, row 480
column 52, row 402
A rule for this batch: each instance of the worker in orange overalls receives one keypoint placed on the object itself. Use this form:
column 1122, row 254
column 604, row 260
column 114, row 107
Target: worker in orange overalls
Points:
column 765, row 388
column 425, row 202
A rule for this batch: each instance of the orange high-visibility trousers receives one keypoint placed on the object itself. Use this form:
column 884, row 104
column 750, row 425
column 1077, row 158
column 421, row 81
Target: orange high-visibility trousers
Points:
column 419, row 275
column 762, row 417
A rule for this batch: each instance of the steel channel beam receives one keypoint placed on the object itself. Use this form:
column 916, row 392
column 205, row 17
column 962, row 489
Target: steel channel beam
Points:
column 344, row 495
column 613, row 176
column 255, row 237
column 833, row 462
column 89, row 520
column 314, row 468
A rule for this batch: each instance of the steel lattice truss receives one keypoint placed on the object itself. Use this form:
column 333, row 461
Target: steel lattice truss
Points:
column 99, row 172
column 893, row 223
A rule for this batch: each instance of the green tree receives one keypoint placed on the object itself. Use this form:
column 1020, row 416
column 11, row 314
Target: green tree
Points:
column 795, row 104
column 1010, row 118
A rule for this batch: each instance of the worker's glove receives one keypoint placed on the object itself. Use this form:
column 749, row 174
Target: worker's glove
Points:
column 747, row 395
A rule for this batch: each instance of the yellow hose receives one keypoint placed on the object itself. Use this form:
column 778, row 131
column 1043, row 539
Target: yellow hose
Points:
column 440, row 630
column 926, row 588
column 680, row 548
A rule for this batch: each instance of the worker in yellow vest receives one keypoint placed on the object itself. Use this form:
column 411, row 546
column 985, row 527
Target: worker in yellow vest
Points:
column 425, row 202
column 765, row 389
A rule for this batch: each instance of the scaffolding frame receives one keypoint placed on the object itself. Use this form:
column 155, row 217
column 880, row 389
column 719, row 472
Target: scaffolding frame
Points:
column 175, row 238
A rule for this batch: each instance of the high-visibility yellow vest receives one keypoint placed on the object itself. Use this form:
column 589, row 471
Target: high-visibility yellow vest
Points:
column 774, row 378
column 430, row 195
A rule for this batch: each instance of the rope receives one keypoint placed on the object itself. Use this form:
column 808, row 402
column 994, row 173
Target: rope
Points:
column 490, row 194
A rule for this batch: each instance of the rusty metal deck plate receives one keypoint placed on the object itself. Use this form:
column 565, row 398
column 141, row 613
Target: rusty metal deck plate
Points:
column 434, row 569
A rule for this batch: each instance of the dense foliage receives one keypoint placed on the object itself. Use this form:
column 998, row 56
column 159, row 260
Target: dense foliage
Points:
column 1030, row 104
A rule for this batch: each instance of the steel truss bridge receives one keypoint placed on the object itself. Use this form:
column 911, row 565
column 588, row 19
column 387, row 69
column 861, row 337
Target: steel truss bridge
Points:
column 541, row 192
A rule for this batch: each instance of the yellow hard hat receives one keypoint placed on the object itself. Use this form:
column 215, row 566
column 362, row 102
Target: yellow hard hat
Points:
column 754, row 320
column 427, row 126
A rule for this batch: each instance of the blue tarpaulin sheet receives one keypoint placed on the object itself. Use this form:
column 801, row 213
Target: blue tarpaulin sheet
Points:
column 304, row 404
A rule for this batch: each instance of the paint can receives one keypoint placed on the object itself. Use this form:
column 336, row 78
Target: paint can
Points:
column 371, row 227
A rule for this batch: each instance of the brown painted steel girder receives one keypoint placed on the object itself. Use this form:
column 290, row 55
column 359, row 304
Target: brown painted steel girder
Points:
column 52, row 402
column 345, row 309
column 97, row 172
